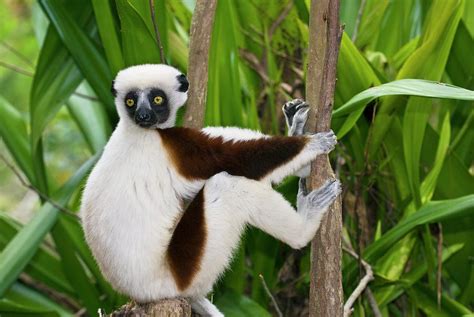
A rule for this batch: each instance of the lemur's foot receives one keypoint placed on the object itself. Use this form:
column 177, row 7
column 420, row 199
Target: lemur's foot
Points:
column 317, row 202
column 323, row 142
column 296, row 114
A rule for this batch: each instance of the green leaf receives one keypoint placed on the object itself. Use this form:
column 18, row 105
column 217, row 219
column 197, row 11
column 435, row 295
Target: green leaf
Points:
column 44, row 266
column 21, row 301
column 403, row 87
column 13, row 133
column 18, row 253
column 425, row 299
column 434, row 211
column 107, row 26
column 389, row 293
column 74, row 270
column 91, row 119
column 87, row 56
column 235, row 305
column 139, row 44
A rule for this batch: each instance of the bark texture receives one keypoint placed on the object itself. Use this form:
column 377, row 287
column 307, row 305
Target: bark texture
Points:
column 201, row 30
column 326, row 296
column 177, row 307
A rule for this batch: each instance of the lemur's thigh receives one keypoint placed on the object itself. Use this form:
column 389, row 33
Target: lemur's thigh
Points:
column 224, row 223
column 234, row 201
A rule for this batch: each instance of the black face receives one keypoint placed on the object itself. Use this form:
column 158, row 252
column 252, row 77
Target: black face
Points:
column 147, row 108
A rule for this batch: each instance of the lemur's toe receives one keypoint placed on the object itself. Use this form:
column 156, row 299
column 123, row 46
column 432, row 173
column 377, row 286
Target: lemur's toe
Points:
column 291, row 107
column 326, row 194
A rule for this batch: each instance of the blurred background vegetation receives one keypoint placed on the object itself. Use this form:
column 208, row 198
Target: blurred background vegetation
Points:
column 406, row 160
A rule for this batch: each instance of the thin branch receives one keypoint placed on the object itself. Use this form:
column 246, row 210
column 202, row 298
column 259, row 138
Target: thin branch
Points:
column 157, row 33
column 267, row 290
column 280, row 19
column 369, row 276
column 56, row 296
column 36, row 190
column 373, row 303
column 30, row 74
column 16, row 69
column 17, row 54
column 357, row 22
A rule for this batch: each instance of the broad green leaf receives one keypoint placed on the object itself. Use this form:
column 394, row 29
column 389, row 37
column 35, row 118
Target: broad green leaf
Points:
column 403, row 87
column 235, row 305
column 44, row 266
column 14, row 135
column 88, row 58
column 21, row 300
column 19, row 251
column 73, row 269
column 107, row 25
column 425, row 299
column 387, row 294
column 56, row 77
column 138, row 43
column 429, row 183
column 397, row 25
column 370, row 23
column 435, row 211
column 224, row 100
column 91, row 118
column 428, row 62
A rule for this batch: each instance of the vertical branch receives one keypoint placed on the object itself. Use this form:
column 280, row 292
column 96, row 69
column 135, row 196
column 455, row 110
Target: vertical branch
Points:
column 201, row 30
column 326, row 297
column 157, row 32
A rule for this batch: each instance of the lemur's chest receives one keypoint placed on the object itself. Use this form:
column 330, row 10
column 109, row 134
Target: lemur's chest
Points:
column 131, row 205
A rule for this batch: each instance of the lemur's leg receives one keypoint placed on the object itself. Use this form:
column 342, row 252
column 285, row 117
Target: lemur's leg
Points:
column 204, row 307
column 274, row 215
column 210, row 229
column 296, row 114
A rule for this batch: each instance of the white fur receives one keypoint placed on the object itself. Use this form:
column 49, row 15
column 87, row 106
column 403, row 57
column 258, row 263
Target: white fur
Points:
column 132, row 203
column 146, row 76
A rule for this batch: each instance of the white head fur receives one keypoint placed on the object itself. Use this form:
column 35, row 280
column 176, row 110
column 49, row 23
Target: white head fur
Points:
column 142, row 79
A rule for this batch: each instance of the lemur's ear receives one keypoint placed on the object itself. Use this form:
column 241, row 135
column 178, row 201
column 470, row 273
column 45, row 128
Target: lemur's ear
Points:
column 183, row 81
column 112, row 89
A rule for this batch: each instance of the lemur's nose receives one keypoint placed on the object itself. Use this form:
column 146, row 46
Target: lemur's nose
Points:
column 145, row 117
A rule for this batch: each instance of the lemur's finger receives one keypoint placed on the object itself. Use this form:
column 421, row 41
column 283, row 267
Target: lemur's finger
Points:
column 323, row 142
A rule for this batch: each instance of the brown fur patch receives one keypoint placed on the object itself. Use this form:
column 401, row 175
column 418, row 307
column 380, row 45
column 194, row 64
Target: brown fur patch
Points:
column 196, row 155
column 187, row 243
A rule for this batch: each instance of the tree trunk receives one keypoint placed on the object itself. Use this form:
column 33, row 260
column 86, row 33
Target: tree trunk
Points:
column 326, row 297
column 177, row 307
column 201, row 30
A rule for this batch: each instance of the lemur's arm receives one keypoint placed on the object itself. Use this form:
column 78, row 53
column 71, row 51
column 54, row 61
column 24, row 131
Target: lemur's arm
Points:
column 296, row 115
column 199, row 155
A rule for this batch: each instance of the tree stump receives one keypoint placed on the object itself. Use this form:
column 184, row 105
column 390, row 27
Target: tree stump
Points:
column 177, row 307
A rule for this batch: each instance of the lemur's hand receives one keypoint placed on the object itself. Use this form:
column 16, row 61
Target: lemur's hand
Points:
column 323, row 142
column 296, row 114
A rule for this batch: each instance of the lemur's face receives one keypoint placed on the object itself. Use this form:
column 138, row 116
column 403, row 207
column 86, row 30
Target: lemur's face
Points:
column 150, row 95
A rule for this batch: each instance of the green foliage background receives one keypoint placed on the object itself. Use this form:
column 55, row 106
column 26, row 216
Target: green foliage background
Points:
column 405, row 156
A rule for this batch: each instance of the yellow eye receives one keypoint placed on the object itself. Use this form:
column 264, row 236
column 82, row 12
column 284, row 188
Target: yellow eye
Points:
column 130, row 102
column 158, row 100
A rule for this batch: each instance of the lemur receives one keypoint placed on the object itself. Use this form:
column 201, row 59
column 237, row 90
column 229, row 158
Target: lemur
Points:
column 164, row 208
